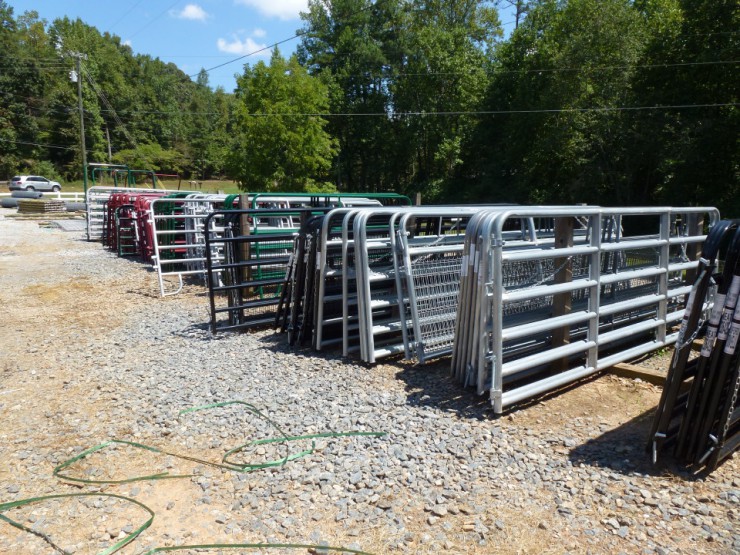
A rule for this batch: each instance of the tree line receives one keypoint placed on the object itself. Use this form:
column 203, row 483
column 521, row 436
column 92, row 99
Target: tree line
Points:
column 611, row 102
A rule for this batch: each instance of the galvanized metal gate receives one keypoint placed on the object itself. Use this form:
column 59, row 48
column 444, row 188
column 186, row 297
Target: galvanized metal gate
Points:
column 603, row 298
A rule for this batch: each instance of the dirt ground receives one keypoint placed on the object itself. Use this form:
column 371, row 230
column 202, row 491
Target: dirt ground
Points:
column 46, row 407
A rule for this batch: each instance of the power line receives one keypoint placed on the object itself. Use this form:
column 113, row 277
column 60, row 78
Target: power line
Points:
column 274, row 44
column 608, row 68
column 58, row 147
column 457, row 113
column 155, row 18
column 117, row 21
column 36, row 68
column 269, row 47
column 110, row 107
column 502, row 71
column 572, row 69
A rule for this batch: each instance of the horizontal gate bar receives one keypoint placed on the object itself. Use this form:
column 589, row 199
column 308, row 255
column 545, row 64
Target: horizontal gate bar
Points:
column 509, row 368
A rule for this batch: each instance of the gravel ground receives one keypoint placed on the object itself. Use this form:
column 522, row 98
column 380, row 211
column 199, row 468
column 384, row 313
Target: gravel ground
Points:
column 90, row 353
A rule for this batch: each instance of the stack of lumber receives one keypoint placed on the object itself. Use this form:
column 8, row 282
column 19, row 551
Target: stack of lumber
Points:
column 41, row 206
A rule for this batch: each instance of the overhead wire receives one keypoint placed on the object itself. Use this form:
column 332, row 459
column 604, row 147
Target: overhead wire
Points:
column 453, row 113
column 56, row 147
column 298, row 34
column 500, row 70
column 263, row 49
column 117, row 21
column 112, row 110
column 577, row 69
column 155, row 18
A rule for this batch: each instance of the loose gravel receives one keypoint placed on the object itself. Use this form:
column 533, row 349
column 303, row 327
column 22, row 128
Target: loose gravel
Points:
column 90, row 353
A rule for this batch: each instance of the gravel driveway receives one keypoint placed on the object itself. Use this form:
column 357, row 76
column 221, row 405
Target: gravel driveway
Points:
column 89, row 353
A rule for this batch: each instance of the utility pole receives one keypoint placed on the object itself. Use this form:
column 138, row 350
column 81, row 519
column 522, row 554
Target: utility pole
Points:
column 107, row 136
column 78, row 77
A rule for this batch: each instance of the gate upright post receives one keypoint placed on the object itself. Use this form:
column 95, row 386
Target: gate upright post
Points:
column 561, row 303
column 695, row 224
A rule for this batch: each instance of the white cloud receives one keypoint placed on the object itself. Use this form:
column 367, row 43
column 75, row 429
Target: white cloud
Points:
column 193, row 12
column 259, row 33
column 127, row 42
column 284, row 9
column 241, row 47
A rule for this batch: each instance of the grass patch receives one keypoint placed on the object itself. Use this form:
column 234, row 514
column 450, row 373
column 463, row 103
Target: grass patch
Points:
column 207, row 186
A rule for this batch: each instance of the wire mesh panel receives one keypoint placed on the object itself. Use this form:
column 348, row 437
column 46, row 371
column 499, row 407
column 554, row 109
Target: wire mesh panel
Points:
column 431, row 254
column 436, row 283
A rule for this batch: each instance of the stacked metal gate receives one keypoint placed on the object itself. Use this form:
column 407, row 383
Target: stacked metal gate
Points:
column 166, row 228
column 607, row 296
column 526, row 300
column 96, row 200
column 520, row 313
column 177, row 235
column 353, row 289
column 698, row 418
column 381, row 281
column 248, row 260
column 245, row 279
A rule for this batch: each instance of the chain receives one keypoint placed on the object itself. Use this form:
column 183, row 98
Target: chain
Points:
column 694, row 335
column 732, row 407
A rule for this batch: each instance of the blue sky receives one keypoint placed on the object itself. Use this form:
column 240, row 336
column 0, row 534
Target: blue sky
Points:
column 193, row 34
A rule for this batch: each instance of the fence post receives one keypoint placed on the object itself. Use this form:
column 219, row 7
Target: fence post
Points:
column 244, row 247
column 561, row 303
column 695, row 225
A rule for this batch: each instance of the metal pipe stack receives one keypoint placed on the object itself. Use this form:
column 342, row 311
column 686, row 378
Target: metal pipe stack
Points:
column 698, row 418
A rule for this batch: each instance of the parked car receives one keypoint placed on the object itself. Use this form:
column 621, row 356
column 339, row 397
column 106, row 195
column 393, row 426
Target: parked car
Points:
column 33, row 183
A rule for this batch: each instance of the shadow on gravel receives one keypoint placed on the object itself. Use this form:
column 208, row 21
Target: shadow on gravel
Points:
column 432, row 385
column 276, row 341
column 623, row 450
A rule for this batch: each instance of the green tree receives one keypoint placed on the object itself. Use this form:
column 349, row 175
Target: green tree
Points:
column 208, row 128
column 691, row 153
column 151, row 156
column 560, row 83
column 281, row 143
column 76, row 36
column 352, row 45
column 400, row 74
column 21, row 88
column 444, row 74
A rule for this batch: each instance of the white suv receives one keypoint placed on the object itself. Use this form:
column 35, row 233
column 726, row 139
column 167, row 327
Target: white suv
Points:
column 33, row 183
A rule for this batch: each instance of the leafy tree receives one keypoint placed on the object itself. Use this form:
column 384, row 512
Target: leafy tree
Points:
column 445, row 74
column 693, row 150
column 602, row 101
column 281, row 143
column 76, row 36
column 20, row 87
column 560, row 83
column 208, row 128
column 400, row 74
column 351, row 45
column 151, row 156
